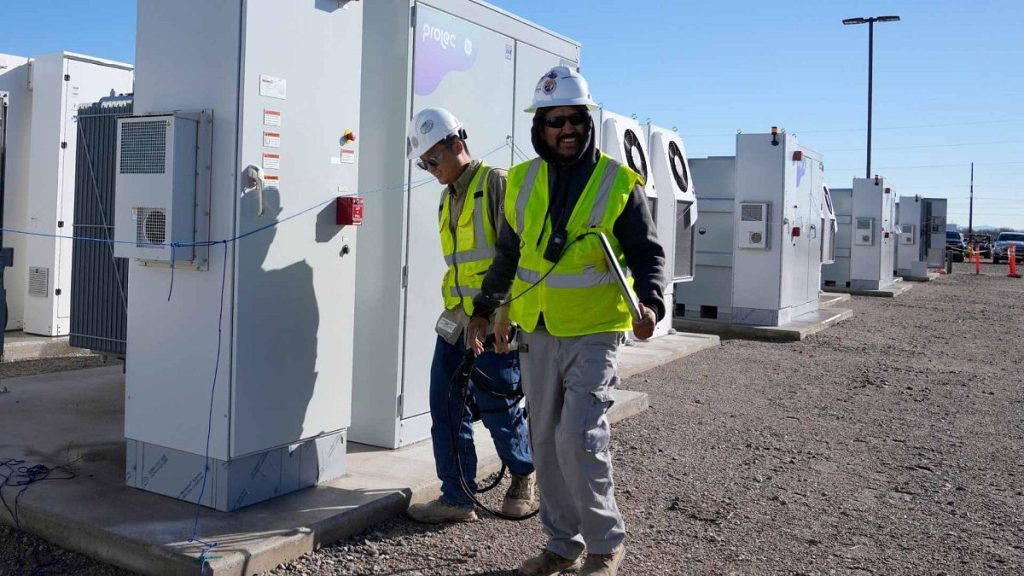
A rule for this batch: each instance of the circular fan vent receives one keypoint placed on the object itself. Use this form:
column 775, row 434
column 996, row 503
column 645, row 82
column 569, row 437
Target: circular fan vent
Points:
column 635, row 157
column 675, row 159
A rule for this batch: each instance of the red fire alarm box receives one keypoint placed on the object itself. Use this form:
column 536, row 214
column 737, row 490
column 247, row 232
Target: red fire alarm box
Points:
column 350, row 211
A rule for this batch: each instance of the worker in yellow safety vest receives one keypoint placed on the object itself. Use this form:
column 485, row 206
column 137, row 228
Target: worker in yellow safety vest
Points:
column 469, row 216
column 550, row 268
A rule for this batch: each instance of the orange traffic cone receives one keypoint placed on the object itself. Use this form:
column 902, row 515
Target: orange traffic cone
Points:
column 1012, row 254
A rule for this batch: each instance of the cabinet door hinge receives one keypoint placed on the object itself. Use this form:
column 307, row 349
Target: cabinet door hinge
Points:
column 401, row 400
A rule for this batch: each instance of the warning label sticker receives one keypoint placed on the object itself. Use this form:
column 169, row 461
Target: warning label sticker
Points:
column 271, row 139
column 271, row 117
column 272, row 181
column 348, row 156
column 271, row 161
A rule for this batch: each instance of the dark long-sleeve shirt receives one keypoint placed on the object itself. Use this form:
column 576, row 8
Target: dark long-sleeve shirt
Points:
column 634, row 229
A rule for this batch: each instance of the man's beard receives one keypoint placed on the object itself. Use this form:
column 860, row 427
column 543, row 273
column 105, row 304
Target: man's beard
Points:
column 569, row 157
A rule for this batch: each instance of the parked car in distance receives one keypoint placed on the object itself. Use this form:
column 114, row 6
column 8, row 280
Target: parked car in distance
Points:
column 1000, row 251
column 955, row 245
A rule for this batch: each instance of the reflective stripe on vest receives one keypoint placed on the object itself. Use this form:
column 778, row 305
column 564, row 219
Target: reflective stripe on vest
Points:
column 528, row 182
column 584, row 280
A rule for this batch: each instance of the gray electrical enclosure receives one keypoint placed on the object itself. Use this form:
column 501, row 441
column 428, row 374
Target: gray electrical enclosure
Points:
column 765, row 230
column 258, row 340
column 483, row 64
column 922, row 242
column 867, row 236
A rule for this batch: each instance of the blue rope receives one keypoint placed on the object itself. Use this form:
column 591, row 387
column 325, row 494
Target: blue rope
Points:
column 173, row 245
column 209, row 421
column 174, row 250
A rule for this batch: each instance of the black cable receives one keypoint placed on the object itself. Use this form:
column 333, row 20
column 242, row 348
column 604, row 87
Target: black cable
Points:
column 463, row 374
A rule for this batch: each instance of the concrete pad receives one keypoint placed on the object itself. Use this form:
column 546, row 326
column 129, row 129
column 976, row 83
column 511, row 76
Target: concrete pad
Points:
column 77, row 419
column 798, row 329
column 637, row 357
column 20, row 346
column 893, row 290
column 932, row 275
column 830, row 299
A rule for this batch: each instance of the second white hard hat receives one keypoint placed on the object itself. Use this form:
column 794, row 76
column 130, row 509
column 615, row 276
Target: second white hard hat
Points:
column 428, row 127
column 561, row 86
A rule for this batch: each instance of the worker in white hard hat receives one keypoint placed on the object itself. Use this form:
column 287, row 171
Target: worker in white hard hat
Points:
column 469, row 217
column 551, row 270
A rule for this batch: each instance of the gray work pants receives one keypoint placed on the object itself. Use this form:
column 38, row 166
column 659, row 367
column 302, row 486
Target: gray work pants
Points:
column 568, row 384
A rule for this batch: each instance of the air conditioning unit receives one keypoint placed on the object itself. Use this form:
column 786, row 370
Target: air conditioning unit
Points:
column 864, row 232
column 752, row 231
column 908, row 235
column 156, row 203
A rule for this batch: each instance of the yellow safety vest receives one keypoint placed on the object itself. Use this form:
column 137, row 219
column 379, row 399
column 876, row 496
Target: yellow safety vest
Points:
column 580, row 295
column 470, row 251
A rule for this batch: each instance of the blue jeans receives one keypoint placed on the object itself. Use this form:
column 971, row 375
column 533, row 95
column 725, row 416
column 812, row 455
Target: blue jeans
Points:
column 503, row 417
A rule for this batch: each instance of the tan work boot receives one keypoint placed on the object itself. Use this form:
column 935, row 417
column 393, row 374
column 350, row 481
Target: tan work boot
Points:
column 603, row 564
column 548, row 564
column 521, row 497
column 440, row 512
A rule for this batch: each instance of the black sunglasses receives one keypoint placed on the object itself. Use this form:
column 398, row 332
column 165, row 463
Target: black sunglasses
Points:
column 576, row 119
column 432, row 161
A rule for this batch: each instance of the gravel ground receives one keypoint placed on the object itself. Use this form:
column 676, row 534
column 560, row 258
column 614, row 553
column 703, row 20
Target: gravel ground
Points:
column 892, row 443
column 33, row 367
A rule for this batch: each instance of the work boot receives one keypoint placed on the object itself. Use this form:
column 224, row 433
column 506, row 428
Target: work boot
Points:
column 548, row 564
column 440, row 512
column 603, row 564
column 521, row 497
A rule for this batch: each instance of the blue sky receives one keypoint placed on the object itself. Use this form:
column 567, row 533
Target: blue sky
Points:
column 949, row 78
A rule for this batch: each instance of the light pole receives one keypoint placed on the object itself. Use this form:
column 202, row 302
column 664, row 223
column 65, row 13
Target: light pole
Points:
column 871, row 62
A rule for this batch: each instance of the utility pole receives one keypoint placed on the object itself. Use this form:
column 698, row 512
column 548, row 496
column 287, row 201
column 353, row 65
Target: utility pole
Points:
column 871, row 76
column 871, row 65
column 970, row 214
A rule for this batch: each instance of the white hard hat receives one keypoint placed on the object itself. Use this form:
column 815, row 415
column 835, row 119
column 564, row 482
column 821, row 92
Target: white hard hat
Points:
column 561, row 86
column 428, row 127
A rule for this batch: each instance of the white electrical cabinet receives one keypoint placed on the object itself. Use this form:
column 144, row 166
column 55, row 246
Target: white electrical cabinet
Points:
column 255, row 337
column 677, row 214
column 44, row 94
column 764, row 229
column 867, row 232
column 922, row 242
column 622, row 138
column 482, row 63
